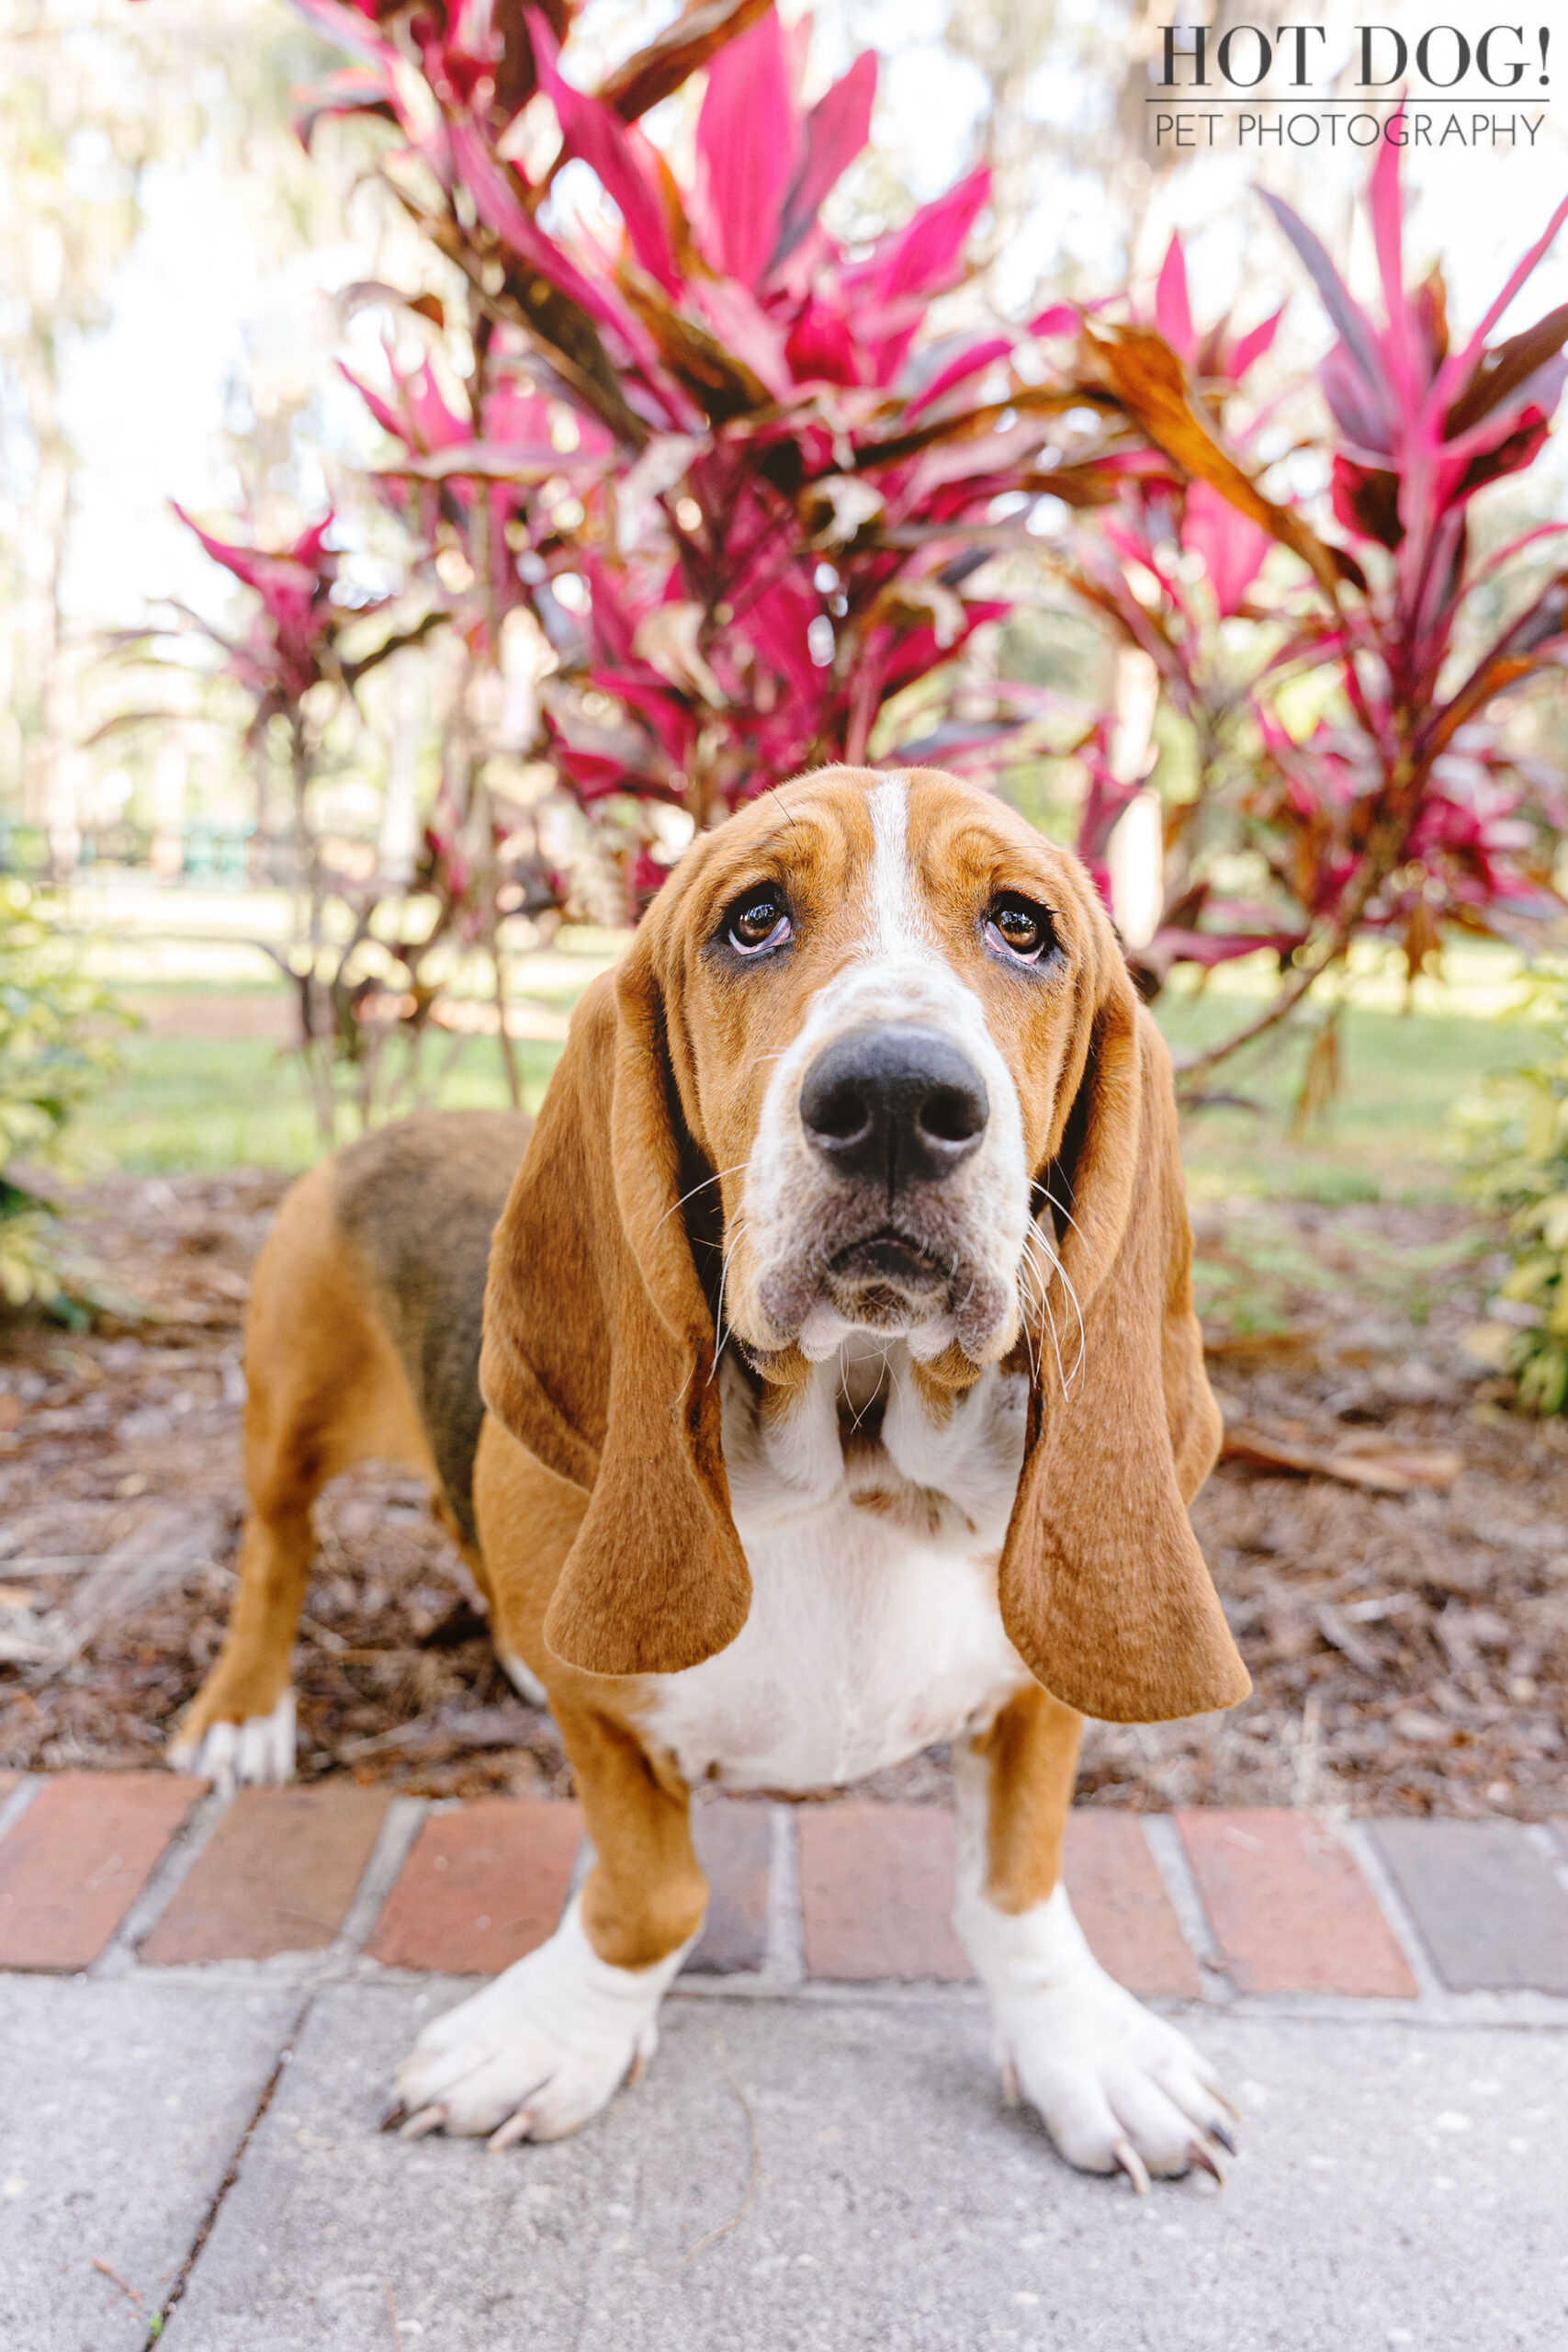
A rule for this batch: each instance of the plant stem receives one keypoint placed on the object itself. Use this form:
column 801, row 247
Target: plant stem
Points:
column 1382, row 855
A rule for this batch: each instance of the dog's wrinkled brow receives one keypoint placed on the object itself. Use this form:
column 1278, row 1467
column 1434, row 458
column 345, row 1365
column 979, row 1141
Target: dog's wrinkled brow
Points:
column 771, row 842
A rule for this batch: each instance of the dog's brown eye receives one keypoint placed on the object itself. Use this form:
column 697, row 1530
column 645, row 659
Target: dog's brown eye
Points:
column 759, row 920
column 1020, row 929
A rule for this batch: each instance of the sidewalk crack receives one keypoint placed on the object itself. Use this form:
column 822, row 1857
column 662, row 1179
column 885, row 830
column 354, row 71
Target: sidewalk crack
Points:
column 215, row 2206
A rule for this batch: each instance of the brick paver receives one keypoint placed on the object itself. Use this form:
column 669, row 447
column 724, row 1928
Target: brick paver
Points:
column 1290, row 1909
column 73, row 1864
column 481, row 1886
column 734, row 1844
column 1116, row 1889
column 278, row 1875
column 876, row 1890
column 1488, row 1904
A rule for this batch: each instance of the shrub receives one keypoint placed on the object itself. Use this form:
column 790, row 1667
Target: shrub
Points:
column 1519, row 1131
column 53, row 1050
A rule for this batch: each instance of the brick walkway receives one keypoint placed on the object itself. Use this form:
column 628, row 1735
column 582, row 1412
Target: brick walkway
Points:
column 139, row 1872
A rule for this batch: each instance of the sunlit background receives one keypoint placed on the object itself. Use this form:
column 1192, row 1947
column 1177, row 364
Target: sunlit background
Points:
column 174, row 267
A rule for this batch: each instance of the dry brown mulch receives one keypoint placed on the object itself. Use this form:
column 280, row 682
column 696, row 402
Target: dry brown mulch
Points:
column 1409, row 1651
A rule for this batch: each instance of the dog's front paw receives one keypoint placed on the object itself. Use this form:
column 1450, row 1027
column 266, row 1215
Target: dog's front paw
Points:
column 259, row 1751
column 538, row 2054
column 1117, row 2087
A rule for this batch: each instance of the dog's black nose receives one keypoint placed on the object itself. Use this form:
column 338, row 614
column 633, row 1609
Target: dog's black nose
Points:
column 899, row 1105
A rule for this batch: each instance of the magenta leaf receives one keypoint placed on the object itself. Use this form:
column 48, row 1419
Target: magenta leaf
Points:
column 959, row 371
column 1366, row 502
column 1058, row 318
column 500, row 211
column 1359, row 419
column 1173, row 945
column 1173, row 312
column 1356, row 330
column 923, row 257
column 353, row 89
column 1506, row 369
column 748, row 149
column 597, row 134
column 1458, row 371
column 835, row 130
column 1252, row 346
column 1510, row 454
column 1384, row 204
column 481, row 461
column 1232, row 545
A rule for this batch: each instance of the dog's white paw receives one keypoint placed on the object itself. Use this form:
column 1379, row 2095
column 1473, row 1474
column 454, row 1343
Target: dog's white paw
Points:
column 258, row 1752
column 1117, row 2087
column 538, row 2054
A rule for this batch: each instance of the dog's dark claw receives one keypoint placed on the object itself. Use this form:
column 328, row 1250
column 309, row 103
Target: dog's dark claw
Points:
column 393, row 2117
column 1226, row 2138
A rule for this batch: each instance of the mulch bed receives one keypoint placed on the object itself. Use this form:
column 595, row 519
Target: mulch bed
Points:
column 1409, row 1651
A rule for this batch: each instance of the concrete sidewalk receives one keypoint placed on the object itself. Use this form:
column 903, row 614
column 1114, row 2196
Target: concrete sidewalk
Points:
column 819, row 2156
column 799, row 2173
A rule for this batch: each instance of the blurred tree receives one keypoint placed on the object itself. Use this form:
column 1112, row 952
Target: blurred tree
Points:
column 95, row 95
column 74, row 143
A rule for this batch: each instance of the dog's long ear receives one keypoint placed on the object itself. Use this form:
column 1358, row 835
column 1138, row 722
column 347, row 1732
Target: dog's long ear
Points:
column 599, row 1348
column 1104, row 1591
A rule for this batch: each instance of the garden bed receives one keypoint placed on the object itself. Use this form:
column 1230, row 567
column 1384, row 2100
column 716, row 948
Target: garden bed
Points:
column 1409, row 1650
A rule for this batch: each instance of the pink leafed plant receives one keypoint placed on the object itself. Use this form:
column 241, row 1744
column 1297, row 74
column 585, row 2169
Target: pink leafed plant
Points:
column 1405, row 809
column 293, row 647
column 1169, row 564
column 784, row 484
column 292, row 641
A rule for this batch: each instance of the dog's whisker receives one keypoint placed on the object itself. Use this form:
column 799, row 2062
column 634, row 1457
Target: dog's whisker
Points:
column 1032, row 1300
column 1035, row 1239
column 1056, row 1350
column 719, row 1327
column 1063, row 1210
column 1060, row 1206
column 691, row 1195
column 1047, row 1316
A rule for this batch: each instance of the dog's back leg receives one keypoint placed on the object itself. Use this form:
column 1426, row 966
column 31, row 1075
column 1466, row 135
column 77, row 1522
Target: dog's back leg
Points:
column 326, row 1390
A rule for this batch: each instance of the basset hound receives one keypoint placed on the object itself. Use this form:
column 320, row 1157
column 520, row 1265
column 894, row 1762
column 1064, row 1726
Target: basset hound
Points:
column 839, row 1392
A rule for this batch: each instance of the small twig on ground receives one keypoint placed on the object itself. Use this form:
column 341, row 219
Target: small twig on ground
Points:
column 754, row 2176
column 392, row 2315
column 116, row 2281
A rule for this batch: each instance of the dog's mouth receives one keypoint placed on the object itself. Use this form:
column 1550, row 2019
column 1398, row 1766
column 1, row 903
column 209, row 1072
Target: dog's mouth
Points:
column 882, row 1275
column 890, row 1281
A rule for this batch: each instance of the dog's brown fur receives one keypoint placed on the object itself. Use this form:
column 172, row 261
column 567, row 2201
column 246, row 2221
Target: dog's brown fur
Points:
column 598, row 1521
column 362, row 1344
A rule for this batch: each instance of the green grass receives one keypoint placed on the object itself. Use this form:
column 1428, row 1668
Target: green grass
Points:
column 1388, row 1135
column 189, row 1105
column 205, row 1103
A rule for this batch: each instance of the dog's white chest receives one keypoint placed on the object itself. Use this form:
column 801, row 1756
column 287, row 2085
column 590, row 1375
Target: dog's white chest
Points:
column 873, row 1632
